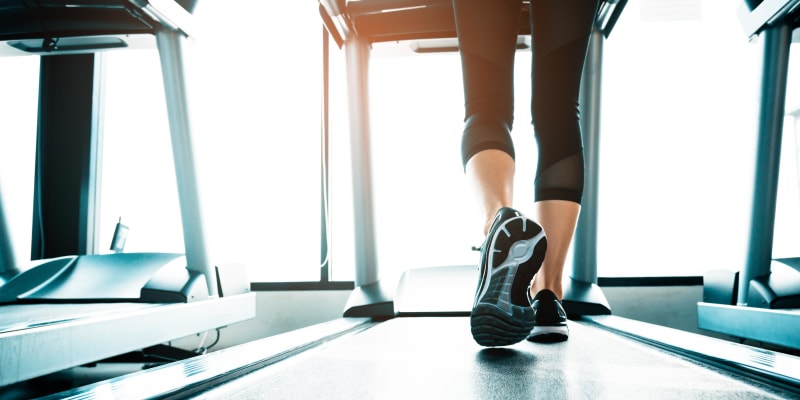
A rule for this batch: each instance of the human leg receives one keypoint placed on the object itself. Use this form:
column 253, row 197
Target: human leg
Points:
column 514, row 245
column 558, row 218
column 560, row 33
column 560, row 30
column 487, row 33
column 511, row 254
column 491, row 176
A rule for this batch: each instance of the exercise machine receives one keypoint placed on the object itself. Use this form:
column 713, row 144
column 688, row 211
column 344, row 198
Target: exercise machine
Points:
column 71, row 305
column 761, row 300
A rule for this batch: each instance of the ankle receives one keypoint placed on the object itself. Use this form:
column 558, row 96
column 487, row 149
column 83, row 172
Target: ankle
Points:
column 541, row 284
column 490, row 216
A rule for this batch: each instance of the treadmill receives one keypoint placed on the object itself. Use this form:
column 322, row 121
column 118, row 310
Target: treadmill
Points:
column 760, row 300
column 72, row 306
column 412, row 340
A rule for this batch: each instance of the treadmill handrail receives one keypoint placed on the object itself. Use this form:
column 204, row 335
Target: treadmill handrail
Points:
column 169, row 13
column 391, row 20
column 768, row 12
column 55, row 19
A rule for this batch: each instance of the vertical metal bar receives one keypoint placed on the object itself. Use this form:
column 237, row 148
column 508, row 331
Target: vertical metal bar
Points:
column 92, row 194
column 775, row 62
column 171, row 52
column 325, row 259
column 8, row 266
column 357, row 59
column 584, row 267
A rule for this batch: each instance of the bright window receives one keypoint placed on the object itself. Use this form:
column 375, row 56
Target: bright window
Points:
column 680, row 84
column 19, row 105
column 253, row 76
column 680, row 98
column 678, row 128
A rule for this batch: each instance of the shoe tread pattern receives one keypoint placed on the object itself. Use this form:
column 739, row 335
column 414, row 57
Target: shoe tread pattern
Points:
column 514, row 254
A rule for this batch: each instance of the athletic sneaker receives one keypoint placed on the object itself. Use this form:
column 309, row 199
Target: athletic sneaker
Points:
column 550, row 323
column 512, row 253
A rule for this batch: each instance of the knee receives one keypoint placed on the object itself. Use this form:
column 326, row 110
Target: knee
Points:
column 486, row 131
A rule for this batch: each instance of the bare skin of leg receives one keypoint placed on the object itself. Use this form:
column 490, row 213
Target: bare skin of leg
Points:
column 558, row 218
column 491, row 174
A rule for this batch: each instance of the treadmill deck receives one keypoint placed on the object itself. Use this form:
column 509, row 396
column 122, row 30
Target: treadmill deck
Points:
column 435, row 357
column 37, row 339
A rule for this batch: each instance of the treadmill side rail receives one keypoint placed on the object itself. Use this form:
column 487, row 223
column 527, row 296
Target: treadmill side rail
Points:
column 40, row 350
column 779, row 327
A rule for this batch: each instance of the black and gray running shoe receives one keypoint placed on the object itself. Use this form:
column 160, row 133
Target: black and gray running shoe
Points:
column 550, row 319
column 512, row 253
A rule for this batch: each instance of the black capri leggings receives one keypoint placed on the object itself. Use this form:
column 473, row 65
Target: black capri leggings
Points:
column 487, row 33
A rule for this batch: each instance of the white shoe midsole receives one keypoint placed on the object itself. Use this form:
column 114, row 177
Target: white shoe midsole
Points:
column 549, row 330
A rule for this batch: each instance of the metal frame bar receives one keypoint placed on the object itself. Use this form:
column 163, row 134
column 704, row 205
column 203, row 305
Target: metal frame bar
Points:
column 778, row 327
column 170, row 51
column 767, row 366
column 8, row 261
column 357, row 52
column 584, row 267
column 767, row 13
column 582, row 295
column 774, row 76
column 33, row 352
column 194, row 376
column 325, row 248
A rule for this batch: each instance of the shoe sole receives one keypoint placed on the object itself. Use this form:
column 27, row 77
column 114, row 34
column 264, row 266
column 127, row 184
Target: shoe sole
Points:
column 549, row 334
column 494, row 320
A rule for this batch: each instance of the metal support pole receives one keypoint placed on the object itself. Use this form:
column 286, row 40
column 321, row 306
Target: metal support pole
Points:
column 357, row 59
column 8, row 267
column 171, row 53
column 584, row 267
column 775, row 63
column 582, row 296
column 325, row 258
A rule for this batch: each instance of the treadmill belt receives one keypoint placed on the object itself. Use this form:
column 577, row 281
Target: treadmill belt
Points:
column 430, row 357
